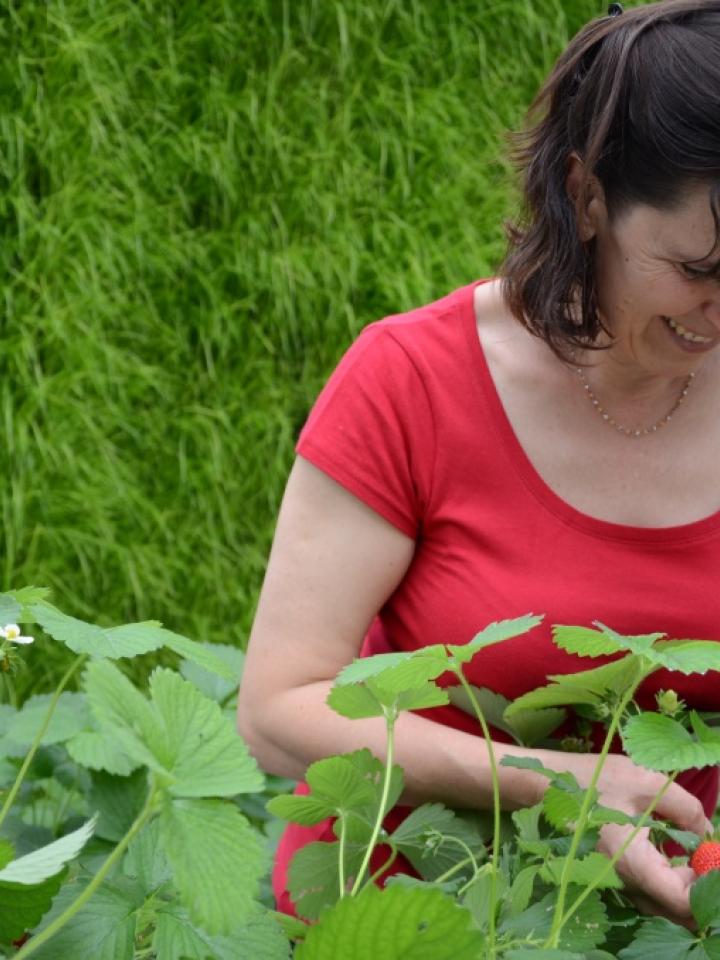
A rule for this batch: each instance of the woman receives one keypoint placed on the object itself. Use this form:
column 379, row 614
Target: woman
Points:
column 546, row 441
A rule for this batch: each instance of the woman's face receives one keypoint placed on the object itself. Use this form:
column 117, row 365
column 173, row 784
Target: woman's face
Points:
column 664, row 313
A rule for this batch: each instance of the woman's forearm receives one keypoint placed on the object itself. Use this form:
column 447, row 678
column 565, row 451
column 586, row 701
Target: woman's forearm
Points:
column 440, row 763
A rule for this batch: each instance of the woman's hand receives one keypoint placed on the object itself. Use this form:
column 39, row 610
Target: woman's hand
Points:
column 654, row 885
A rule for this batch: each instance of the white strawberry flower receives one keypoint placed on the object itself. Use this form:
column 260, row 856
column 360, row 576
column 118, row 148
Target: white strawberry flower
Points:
column 11, row 633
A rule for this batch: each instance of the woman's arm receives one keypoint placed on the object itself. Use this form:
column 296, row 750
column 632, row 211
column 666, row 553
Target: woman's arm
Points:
column 333, row 564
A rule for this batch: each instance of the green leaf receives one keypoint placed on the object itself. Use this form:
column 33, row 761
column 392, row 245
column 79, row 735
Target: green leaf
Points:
column 9, row 609
column 660, row 939
column 616, row 677
column 661, row 743
column 124, row 715
column 217, row 861
column 527, row 726
column 363, row 669
column 422, row 698
column 478, row 896
column 527, row 821
column 585, row 930
column 492, row 634
column 314, row 875
column 416, row 839
column 209, row 682
column 528, row 954
column 145, row 860
column 306, row 811
column 23, row 906
column 93, row 750
column 36, row 867
column 417, row 670
column 176, row 937
column 585, row 641
column 689, row 656
column 703, row 732
column 69, row 718
column 520, row 892
column 103, row 930
column 710, row 948
column 82, row 637
column 560, row 808
column 553, row 695
column 204, row 753
column 583, row 872
column 201, row 654
column 705, row 899
column 355, row 701
column 395, row 923
column 118, row 801
column 7, row 852
column 642, row 645
column 339, row 782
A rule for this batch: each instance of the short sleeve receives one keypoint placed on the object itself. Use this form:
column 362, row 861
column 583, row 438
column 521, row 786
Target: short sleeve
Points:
column 371, row 429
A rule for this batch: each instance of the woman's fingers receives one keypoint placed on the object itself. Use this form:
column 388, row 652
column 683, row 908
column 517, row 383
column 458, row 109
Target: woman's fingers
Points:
column 649, row 874
column 684, row 810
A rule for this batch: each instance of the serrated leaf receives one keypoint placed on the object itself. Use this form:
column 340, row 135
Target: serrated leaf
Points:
column 417, row 670
column 414, row 840
column 124, row 715
column 423, row 698
column 560, row 808
column 527, row 821
column 103, row 930
column 562, row 779
column 520, row 893
column 355, row 701
column 615, row 677
column 478, row 896
column 702, row 731
column 584, row 641
column 394, row 924
column 198, row 653
column 314, row 875
column 306, row 811
column 204, row 753
column 705, row 899
column 207, row 842
column 9, row 609
column 70, row 716
column 363, row 669
column 661, row 743
column 23, row 906
column 492, row 634
column 176, row 937
column 208, row 682
column 118, row 801
column 93, row 750
column 339, row 782
column 145, row 860
column 583, row 872
column 553, row 695
column 527, row 727
column 36, row 867
column 585, row 930
column 660, row 939
column 689, row 656
column 82, row 637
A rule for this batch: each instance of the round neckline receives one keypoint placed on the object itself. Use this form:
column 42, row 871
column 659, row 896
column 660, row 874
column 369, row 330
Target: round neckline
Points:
column 594, row 526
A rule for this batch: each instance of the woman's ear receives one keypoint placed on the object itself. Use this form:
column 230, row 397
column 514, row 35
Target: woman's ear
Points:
column 587, row 197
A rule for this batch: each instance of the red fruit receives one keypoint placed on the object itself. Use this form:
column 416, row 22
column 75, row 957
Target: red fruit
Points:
column 706, row 857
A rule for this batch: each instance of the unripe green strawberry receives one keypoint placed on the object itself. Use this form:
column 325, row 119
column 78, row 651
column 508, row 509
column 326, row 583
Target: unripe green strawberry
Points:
column 706, row 857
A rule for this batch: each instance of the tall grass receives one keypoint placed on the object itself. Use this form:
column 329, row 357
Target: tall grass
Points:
column 201, row 204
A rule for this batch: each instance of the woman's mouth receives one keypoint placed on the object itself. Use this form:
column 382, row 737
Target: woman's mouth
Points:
column 688, row 339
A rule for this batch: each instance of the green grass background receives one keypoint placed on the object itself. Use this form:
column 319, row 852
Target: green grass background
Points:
column 201, row 204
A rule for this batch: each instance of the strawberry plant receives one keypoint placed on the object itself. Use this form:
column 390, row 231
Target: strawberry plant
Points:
column 133, row 822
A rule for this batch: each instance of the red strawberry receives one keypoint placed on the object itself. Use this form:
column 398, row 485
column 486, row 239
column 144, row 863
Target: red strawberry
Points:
column 706, row 857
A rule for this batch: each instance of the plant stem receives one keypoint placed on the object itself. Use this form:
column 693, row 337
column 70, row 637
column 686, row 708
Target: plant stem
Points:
column 37, row 941
column 10, row 799
column 388, row 863
column 341, row 864
column 496, row 808
column 390, row 717
column 618, row 853
column 588, row 800
column 454, row 869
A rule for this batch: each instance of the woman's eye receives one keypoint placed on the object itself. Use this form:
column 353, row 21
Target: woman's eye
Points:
column 693, row 274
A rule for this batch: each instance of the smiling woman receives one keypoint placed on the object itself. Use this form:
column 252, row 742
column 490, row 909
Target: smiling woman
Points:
column 547, row 439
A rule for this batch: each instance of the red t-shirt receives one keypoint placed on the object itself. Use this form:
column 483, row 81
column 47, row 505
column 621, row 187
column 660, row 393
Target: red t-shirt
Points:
column 411, row 423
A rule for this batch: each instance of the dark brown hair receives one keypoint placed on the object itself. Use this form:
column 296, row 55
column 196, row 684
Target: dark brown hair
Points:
column 637, row 97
